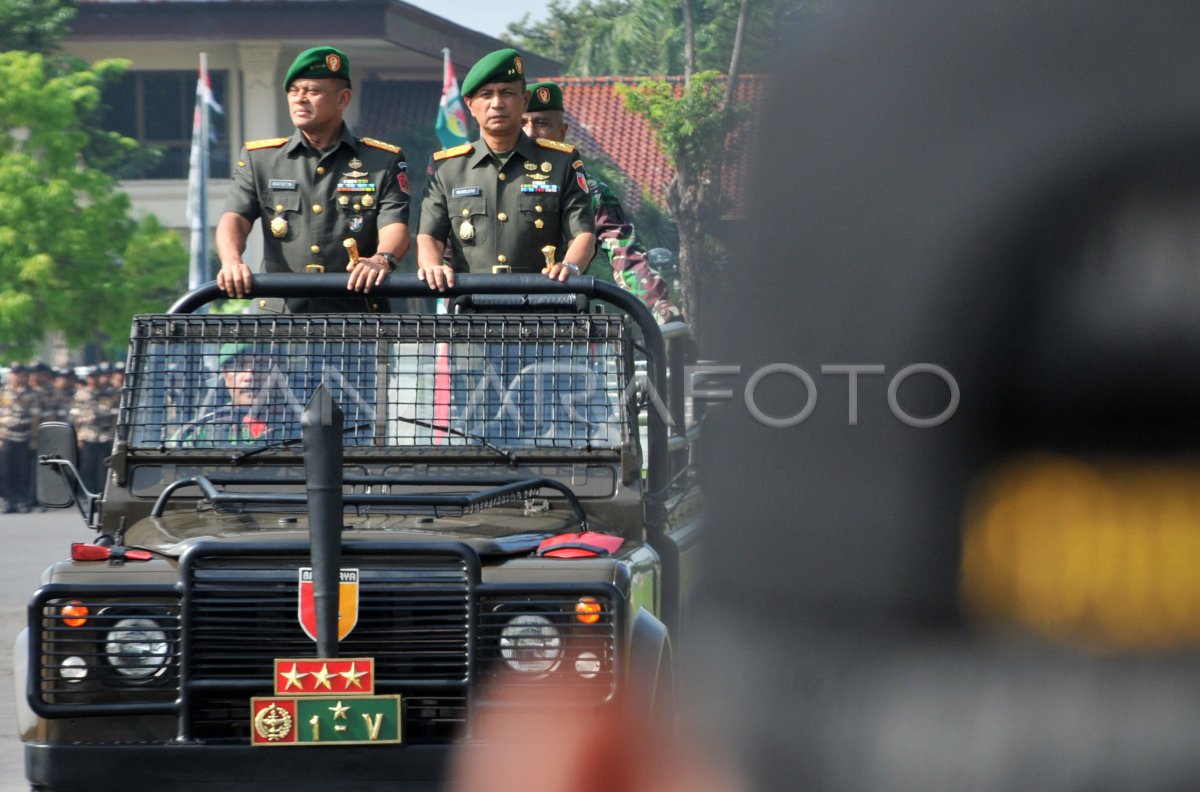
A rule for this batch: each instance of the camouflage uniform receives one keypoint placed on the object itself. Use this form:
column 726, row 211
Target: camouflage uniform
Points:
column 19, row 414
column 94, row 412
column 618, row 252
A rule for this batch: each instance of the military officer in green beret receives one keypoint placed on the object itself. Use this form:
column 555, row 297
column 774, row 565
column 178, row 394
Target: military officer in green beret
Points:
column 506, row 201
column 620, row 257
column 316, row 190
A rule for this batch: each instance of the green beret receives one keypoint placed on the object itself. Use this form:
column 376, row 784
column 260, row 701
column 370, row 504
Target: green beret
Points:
column 316, row 63
column 230, row 352
column 546, row 96
column 500, row 66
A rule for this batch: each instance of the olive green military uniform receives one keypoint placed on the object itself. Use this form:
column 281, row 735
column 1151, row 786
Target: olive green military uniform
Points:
column 309, row 201
column 490, row 213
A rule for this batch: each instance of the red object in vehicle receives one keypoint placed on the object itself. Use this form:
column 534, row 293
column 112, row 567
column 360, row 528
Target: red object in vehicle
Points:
column 588, row 544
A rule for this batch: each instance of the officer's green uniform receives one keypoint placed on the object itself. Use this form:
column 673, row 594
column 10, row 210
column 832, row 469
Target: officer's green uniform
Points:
column 491, row 213
column 309, row 201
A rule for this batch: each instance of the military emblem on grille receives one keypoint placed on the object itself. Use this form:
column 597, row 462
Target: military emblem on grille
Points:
column 273, row 723
column 347, row 602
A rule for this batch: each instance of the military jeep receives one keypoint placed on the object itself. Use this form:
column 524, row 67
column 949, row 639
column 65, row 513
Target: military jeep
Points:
column 325, row 541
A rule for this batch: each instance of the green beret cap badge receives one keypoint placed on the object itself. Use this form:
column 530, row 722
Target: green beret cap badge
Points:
column 317, row 63
column 500, row 66
column 546, row 96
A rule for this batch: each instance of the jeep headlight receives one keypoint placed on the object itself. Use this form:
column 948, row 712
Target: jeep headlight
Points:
column 531, row 644
column 137, row 648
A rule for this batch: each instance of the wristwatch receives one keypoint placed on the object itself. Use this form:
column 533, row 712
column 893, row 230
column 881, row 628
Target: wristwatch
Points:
column 391, row 260
column 571, row 267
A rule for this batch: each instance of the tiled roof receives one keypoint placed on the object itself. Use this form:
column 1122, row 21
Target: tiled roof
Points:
column 599, row 125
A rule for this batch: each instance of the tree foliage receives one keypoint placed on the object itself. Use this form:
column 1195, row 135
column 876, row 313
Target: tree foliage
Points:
column 647, row 37
column 71, row 256
column 34, row 25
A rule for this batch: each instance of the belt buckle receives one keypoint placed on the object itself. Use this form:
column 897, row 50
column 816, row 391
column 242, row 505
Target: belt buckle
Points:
column 314, row 267
column 498, row 269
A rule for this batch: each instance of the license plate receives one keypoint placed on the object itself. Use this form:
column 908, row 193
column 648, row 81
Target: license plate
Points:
column 325, row 720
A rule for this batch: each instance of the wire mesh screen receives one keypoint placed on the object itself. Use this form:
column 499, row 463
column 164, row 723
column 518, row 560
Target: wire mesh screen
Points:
column 426, row 381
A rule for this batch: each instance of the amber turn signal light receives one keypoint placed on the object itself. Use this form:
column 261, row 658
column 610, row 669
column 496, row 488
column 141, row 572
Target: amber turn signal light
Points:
column 587, row 610
column 74, row 614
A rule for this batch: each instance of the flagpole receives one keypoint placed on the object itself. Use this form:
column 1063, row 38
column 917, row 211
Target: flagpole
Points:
column 204, row 138
column 198, row 183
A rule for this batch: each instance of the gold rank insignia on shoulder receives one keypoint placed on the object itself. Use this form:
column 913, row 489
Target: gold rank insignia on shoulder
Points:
column 379, row 144
column 457, row 151
column 554, row 144
column 254, row 145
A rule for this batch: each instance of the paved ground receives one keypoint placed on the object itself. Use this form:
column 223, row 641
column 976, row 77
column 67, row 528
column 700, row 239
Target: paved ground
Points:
column 30, row 543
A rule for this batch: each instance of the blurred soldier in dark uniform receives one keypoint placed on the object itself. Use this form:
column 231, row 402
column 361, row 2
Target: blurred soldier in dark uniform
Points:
column 315, row 191
column 505, row 200
column 58, row 405
column 19, row 415
column 620, row 258
column 90, row 412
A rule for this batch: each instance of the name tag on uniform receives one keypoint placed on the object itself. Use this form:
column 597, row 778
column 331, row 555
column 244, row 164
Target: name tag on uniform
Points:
column 284, row 184
column 464, row 192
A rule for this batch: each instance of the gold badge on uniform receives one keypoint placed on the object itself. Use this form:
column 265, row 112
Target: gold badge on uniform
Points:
column 547, row 167
column 538, row 223
column 343, row 200
column 466, row 231
column 530, row 166
column 355, row 164
column 368, row 201
column 279, row 227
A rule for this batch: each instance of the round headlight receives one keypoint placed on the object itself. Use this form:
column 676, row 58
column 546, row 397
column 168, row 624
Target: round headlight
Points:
column 530, row 644
column 137, row 648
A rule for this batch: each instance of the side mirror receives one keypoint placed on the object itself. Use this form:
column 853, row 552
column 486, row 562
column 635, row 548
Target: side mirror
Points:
column 56, row 477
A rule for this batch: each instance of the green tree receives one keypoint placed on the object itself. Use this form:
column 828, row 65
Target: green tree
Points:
column 34, row 25
column 650, row 37
column 708, row 42
column 71, row 256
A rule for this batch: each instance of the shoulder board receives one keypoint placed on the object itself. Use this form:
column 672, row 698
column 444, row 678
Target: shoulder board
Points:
column 379, row 144
column 251, row 145
column 457, row 151
column 554, row 144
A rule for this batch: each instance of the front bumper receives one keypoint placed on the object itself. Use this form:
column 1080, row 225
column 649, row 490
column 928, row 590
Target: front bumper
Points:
column 98, row 768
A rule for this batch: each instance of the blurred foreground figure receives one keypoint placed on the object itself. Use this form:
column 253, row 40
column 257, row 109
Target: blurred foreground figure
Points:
column 969, row 564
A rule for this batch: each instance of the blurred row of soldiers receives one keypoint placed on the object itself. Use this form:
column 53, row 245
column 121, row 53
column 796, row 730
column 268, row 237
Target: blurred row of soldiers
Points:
column 88, row 398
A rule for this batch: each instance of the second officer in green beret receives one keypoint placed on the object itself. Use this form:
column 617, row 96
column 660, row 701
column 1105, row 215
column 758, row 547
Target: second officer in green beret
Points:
column 506, row 200
column 315, row 190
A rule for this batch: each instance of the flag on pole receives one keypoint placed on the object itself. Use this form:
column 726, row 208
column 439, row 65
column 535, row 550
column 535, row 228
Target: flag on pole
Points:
column 198, row 176
column 451, row 126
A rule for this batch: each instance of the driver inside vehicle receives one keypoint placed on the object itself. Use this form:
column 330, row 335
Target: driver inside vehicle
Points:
column 240, row 421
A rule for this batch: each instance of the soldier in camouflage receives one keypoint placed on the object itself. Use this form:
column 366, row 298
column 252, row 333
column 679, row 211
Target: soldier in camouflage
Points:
column 19, row 414
column 620, row 258
column 94, row 411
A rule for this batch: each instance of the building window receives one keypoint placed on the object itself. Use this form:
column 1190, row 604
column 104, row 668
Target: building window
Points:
column 155, row 108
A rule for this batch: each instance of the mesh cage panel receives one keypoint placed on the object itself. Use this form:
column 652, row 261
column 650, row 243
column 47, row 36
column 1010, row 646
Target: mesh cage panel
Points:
column 412, row 381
